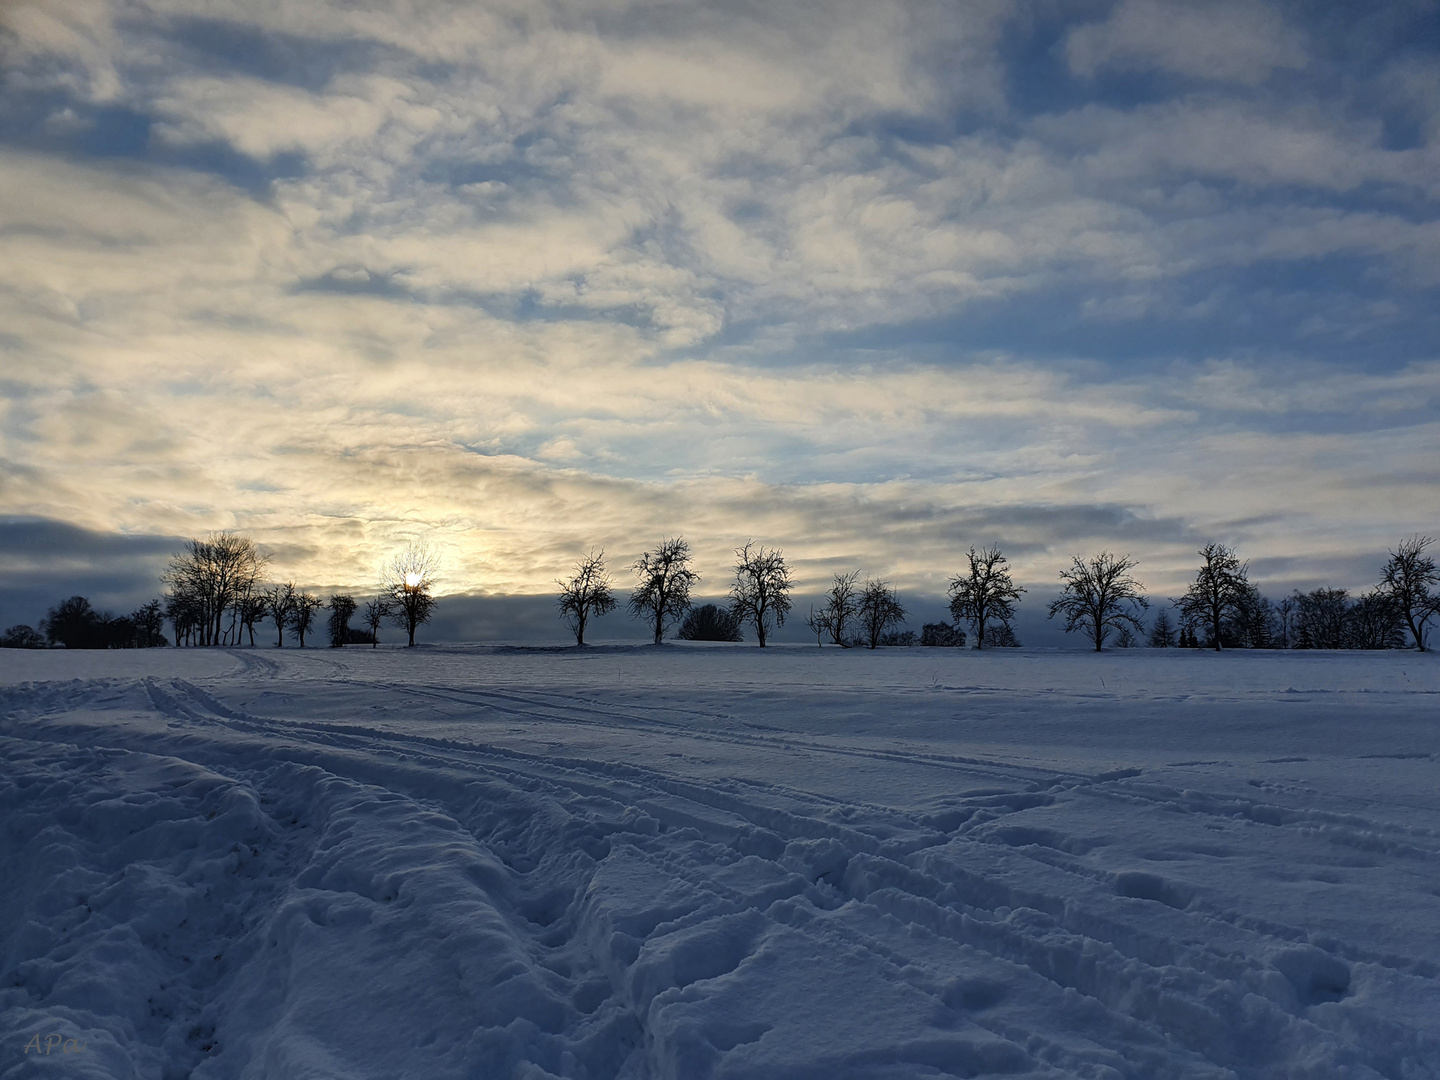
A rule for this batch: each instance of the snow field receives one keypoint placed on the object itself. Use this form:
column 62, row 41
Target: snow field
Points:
column 693, row 862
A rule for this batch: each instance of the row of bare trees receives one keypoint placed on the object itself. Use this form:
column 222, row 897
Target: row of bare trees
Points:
column 1099, row 597
column 216, row 593
column 852, row 613
column 759, row 595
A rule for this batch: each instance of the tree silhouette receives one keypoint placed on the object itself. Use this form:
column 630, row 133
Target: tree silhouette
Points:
column 1252, row 623
column 984, row 592
column 942, row 634
column 208, row 580
column 21, row 636
column 586, row 595
column 376, row 612
column 878, row 610
column 407, row 587
column 761, row 593
column 842, row 604
column 1286, row 614
column 1100, row 596
column 1162, row 632
column 279, row 603
column 665, row 581
column 253, row 608
column 341, row 609
column 710, row 622
column 819, row 624
column 74, row 624
column 1375, row 622
column 149, row 622
column 1219, row 590
column 302, row 614
column 1412, row 583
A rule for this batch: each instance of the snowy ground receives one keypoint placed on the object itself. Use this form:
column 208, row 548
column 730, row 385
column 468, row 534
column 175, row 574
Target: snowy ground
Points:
column 692, row 862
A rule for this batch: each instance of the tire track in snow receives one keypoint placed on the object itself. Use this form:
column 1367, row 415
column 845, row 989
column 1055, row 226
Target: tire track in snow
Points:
column 1023, row 952
column 1044, row 933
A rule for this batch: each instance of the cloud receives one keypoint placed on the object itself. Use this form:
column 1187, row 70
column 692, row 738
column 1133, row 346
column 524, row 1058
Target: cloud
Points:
column 530, row 277
column 261, row 119
column 1228, row 42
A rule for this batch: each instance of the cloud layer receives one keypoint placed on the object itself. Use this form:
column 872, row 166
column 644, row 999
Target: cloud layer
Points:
column 871, row 281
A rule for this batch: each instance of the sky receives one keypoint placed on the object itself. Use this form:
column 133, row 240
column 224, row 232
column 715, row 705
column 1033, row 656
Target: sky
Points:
column 867, row 281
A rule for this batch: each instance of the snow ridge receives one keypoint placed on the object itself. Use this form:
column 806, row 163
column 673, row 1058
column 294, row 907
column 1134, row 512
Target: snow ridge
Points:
column 309, row 865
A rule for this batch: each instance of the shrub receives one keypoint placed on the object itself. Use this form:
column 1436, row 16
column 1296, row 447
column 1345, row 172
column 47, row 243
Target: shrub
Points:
column 942, row 634
column 710, row 622
column 903, row 638
column 21, row 636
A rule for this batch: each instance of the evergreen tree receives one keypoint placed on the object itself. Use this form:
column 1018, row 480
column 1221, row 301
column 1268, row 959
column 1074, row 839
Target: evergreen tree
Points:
column 1162, row 633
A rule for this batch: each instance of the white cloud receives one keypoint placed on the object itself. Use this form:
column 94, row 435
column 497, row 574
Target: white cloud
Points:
column 1232, row 141
column 65, row 43
column 1225, row 41
column 262, row 119
column 554, row 276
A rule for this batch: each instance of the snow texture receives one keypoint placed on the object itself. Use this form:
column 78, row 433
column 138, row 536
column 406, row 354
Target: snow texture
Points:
column 700, row 862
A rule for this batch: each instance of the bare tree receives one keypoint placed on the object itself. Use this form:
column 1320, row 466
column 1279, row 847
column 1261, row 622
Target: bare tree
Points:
column 22, row 636
column 1286, row 613
column 878, row 610
column 280, row 606
column 1004, row 636
column 761, row 593
column 1322, row 617
column 984, row 592
column 586, row 595
column 1375, row 622
column 253, row 608
column 842, row 604
column 819, row 624
column 1412, row 582
column 1252, row 622
column 665, row 581
column 302, row 614
column 1219, row 590
column 376, row 612
column 149, row 622
column 1100, row 596
column 207, row 581
column 341, row 609
column 407, row 586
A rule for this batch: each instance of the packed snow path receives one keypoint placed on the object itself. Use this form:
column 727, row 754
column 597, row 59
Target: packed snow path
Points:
column 690, row 862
